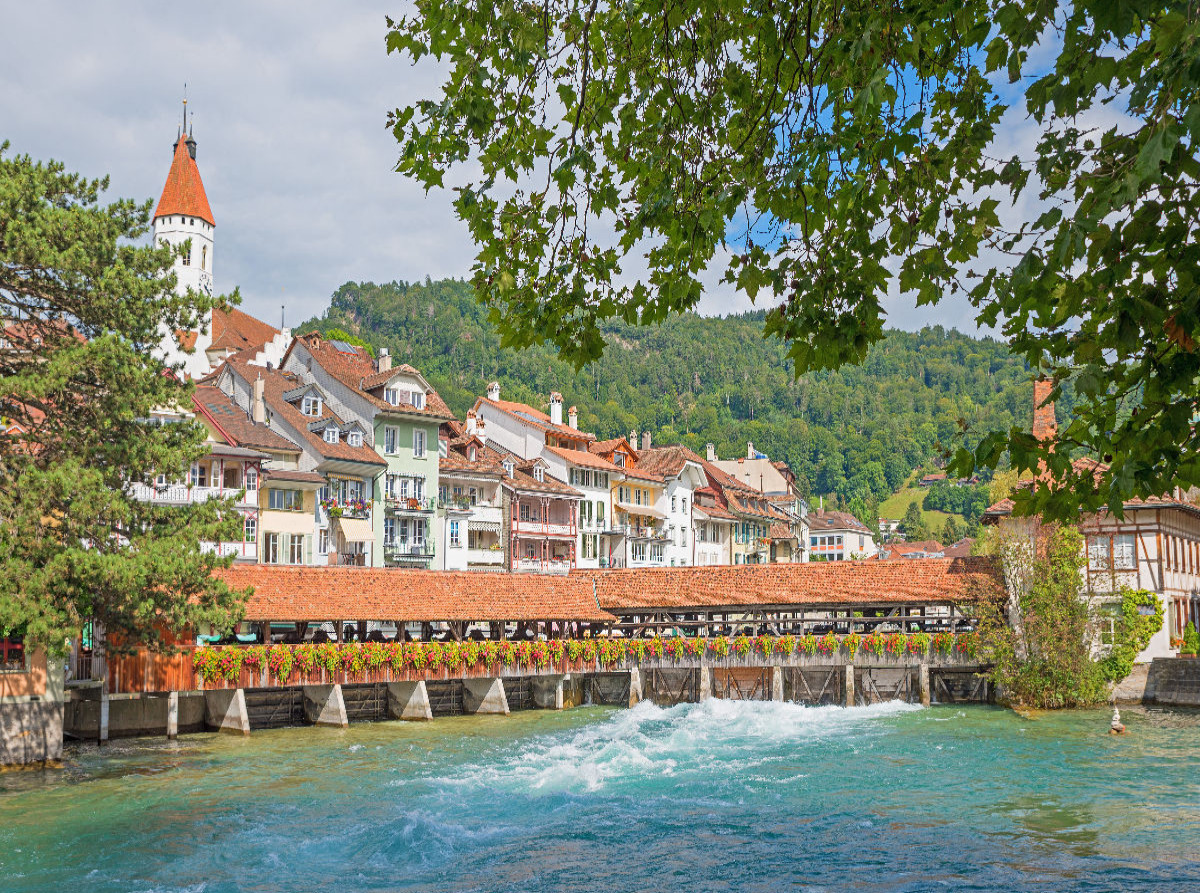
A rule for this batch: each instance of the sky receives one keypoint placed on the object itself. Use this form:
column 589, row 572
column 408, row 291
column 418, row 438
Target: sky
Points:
column 289, row 103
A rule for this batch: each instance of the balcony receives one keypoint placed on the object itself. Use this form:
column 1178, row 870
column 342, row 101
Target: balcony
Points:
column 536, row 527
column 352, row 559
column 537, row 566
column 182, row 494
column 410, row 505
column 408, row 552
column 485, row 558
column 239, row 551
column 349, row 508
column 639, row 531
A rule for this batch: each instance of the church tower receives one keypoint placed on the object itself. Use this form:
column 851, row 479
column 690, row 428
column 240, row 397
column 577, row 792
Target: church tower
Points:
column 183, row 214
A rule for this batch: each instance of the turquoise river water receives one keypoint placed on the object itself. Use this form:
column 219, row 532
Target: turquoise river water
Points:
column 719, row 796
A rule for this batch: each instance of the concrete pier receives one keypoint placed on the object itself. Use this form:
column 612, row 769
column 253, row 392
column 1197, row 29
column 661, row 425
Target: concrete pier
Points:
column 635, row 687
column 324, row 706
column 225, row 711
column 409, row 701
column 484, row 696
column 172, row 716
column 547, row 691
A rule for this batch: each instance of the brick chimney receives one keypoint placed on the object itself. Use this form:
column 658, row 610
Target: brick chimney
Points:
column 556, row 407
column 633, row 438
column 645, row 440
column 493, row 391
column 384, row 363
column 573, row 418
column 1045, row 425
column 258, row 407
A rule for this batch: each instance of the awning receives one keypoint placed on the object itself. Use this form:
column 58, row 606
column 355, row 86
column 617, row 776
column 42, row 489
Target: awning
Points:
column 490, row 526
column 644, row 510
column 356, row 530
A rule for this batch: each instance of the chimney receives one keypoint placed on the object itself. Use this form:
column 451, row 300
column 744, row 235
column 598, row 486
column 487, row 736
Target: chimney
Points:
column 384, row 363
column 1045, row 425
column 556, row 407
column 480, row 431
column 633, row 438
column 471, row 423
column 493, row 391
column 645, row 440
column 573, row 417
column 749, row 449
column 711, row 451
column 258, row 408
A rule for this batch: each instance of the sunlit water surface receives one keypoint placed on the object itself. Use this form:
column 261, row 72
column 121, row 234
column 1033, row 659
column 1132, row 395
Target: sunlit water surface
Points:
column 720, row 796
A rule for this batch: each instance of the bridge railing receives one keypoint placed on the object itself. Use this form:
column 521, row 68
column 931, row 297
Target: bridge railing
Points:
column 253, row 666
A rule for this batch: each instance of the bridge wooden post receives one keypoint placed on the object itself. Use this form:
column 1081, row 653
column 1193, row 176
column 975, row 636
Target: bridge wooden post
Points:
column 776, row 683
column 635, row 686
column 704, row 684
column 849, row 685
column 923, row 683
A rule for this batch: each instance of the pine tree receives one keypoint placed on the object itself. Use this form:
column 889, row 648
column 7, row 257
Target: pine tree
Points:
column 83, row 309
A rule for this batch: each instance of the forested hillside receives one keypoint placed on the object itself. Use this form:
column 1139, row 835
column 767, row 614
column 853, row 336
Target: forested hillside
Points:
column 857, row 433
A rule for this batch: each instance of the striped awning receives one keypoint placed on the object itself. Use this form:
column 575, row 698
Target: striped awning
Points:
column 356, row 530
column 489, row 526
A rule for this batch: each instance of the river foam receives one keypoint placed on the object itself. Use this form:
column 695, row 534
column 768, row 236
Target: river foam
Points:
column 648, row 741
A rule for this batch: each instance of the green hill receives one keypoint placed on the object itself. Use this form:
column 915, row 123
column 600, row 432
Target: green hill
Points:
column 857, row 433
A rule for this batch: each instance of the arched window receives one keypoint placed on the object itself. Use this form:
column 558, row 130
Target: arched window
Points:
column 203, row 257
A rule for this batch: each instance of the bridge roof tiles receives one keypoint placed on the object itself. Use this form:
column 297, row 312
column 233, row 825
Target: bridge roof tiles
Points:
column 286, row 593
column 833, row 583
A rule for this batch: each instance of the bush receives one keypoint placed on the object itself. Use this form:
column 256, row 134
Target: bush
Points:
column 1191, row 640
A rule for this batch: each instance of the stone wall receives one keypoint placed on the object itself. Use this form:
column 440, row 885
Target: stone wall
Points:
column 1174, row 681
column 31, row 724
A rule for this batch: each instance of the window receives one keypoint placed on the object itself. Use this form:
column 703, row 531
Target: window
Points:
column 683, row 504
column 474, row 496
column 672, row 502
column 656, row 552
column 204, row 258
column 12, row 654
column 508, row 467
column 637, row 495
column 639, row 551
column 297, row 551
column 323, row 541
column 251, row 479
column 391, row 440
column 187, row 255
column 331, row 434
column 200, row 475
column 418, row 400
column 455, row 539
column 389, row 531
column 271, row 548
column 590, row 542
column 311, row 405
column 250, row 530
column 524, row 511
column 160, row 480
column 600, row 513
column 539, row 473
column 392, row 396
column 1124, row 552
column 389, row 486
column 401, row 531
column 619, row 460
column 418, row 443
column 418, row 488
column 354, row 438
column 285, row 500
column 418, row 532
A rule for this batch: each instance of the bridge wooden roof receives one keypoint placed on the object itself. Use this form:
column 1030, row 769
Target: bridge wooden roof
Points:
column 832, row 583
column 286, row 593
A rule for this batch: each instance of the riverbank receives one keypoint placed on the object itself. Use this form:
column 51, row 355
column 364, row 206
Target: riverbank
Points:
column 719, row 795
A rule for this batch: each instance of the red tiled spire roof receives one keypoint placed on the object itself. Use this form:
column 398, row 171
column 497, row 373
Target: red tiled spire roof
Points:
column 1045, row 426
column 183, row 193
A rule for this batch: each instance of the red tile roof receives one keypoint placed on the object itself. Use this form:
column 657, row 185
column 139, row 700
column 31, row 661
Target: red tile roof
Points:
column 233, row 422
column 183, row 193
column 936, row 581
column 275, row 384
column 819, row 522
column 667, row 461
column 234, row 330
column 588, row 460
column 326, row 593
column 917, row 546
column 292, row 475
column 356, row 370
column 535, row 417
